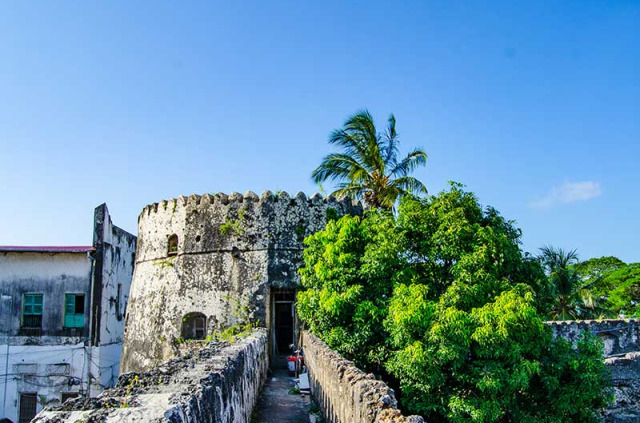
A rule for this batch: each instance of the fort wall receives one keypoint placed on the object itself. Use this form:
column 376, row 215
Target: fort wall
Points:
column 218, row 384
column 619, row 336
column 621, row 339
column 232, row 251
column 345, row 393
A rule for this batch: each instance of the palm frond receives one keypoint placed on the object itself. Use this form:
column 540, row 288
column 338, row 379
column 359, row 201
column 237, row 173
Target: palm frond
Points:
column 337, row 166
column 414, row 159
column 352, row 144
column 362, row 126
column 354, row 191
column 391, row 143
column 410, row 185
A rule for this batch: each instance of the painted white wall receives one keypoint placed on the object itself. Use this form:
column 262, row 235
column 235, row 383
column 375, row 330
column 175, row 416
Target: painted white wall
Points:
column 92, row 368
column 41, row 357
column 45, row 266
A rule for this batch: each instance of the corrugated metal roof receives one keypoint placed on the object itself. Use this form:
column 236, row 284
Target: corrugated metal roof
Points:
column 45, row 249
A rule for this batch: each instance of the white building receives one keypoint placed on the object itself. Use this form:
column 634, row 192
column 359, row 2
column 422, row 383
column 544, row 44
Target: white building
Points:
column 62, row 319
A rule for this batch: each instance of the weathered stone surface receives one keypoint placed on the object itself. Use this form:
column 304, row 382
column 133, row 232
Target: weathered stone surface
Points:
column 345, row 393
column 619, row 336
column 625, row 375
column 218, row 384
column 235, row 248
column 621, row 346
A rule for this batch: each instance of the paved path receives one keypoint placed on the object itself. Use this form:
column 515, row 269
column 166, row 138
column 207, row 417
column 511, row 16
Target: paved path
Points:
column 276, row 405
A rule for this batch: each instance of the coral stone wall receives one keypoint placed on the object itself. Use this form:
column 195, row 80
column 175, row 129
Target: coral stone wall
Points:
column 619, row 336
column 621, row 339
column 218, row 384
column 345, row 393
column 236, row 248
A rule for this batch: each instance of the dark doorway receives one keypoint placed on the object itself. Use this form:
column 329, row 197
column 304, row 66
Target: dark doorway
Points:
column 28, row 407
column 283, row 324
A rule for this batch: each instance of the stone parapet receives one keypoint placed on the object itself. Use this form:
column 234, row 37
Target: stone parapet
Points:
column 218, row 384
column 620, row 336
column 345, row 393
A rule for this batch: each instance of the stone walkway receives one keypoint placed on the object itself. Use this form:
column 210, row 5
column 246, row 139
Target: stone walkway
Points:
column 276, row 404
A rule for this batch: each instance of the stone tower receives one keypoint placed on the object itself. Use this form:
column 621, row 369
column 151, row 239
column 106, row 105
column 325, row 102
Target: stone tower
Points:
column 200, row 258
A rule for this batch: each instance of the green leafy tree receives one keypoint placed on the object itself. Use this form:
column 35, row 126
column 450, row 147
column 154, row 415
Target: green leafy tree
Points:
column 624, row 299
column 593, row 272
column 442, row 298
column 573, row 297
column 349, row 274
column 368, row 166
column 494, row 363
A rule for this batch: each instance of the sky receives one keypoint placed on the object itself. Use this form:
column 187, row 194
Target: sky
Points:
column 534, row 106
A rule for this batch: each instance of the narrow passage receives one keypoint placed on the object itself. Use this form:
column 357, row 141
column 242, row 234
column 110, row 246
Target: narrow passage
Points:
column 276, row 404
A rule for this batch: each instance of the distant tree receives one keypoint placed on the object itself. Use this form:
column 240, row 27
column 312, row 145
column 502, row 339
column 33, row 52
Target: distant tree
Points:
column 593, row 272
column 624, row 298
column 573, row 297
column 368, row 167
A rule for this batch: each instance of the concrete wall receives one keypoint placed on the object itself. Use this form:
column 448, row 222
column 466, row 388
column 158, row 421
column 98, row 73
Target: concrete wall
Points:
column 53, row 275
column 48, row 370
column 345, row 393
column 114, row 262
column 28, row 356
column 217, row 384
column 236, row 248
column 55, row 360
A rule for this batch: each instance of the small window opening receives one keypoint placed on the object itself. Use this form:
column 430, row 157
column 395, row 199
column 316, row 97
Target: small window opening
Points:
column 194, row 326
column 73, row 310
column 32, row 311
column 172, row 247
column 119, row 302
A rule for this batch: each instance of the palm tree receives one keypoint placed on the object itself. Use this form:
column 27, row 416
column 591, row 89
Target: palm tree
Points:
column 368, row 167
column 573, row 298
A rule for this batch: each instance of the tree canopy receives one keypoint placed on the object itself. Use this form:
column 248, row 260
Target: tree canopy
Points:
column 368, row 167
column 593, row 271
column 442, row 299
column 624, row 297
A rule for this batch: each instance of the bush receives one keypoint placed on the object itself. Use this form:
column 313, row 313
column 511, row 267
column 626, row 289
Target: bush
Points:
column 442, row 298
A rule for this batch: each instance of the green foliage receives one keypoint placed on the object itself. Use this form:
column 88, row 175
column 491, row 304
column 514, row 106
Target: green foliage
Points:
column 625, row 297
column 348, row 280
column 368, row 167
column 442, row 298
column 594, row 270
column 231, row 226
column 239, row 309
column 169, row 262
column 495, row 363
column 331, row 214
column 573, row 294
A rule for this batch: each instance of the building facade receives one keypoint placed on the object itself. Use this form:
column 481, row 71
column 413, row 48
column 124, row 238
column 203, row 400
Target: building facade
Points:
column 62, row 318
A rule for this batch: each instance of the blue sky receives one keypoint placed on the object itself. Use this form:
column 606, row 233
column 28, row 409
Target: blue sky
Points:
column 535, row 106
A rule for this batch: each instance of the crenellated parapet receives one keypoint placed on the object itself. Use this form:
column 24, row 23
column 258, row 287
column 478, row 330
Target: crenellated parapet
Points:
column 246, row 222
column 235, row 199
column 199, row 256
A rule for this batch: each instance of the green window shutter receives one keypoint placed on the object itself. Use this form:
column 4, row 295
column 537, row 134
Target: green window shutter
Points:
column 73, row 319
column 32, row 304
column 69, row 303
